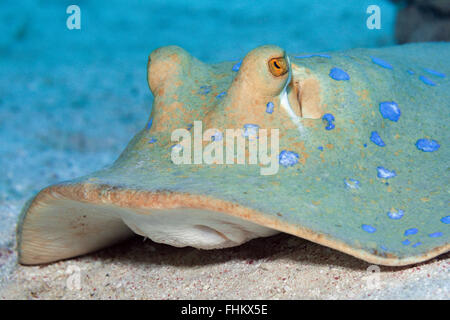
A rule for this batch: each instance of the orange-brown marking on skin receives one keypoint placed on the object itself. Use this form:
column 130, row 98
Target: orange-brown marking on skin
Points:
column 303, row 157
column 299, row 145
column 425, row 199
column 329, row 146
column 164, row 116
column 322, row 157
column 363, row 94
column 221, row 76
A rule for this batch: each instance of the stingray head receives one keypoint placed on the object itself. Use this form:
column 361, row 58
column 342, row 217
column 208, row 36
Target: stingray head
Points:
column 230, row 94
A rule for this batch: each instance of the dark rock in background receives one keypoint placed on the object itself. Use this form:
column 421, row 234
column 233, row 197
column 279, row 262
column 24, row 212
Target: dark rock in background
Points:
column 423, row 20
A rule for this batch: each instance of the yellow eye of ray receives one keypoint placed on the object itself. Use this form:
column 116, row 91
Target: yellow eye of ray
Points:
column 278, row 66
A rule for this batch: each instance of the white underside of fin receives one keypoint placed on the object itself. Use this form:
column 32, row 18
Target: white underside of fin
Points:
column 196, row 228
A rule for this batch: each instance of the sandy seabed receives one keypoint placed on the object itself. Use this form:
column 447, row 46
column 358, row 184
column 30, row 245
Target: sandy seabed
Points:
column 278, row 267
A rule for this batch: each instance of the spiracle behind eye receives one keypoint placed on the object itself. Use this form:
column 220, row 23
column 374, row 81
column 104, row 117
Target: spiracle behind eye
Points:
column 278, row 66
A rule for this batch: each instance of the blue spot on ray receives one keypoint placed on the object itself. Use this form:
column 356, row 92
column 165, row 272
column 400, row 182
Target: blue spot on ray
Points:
column 368, row 228
column 375, row 138
column 320, row 148
column 436, row 73
column 251, row 131
column 237, row 66
column 416, row 244
column 435, row 235
column 390, row 110
column 396, row 215
column 352, row 183
column 288, row 158
column 152, row 140
column 339, row 74
column 269, row 107
column 217, row 136
column 328, row 117
column 204, row 90
column 410, row 71
column 427, row 81
column 381, row 63
column 177, row 147
column 411, row 231
column 446, row 220
column 406, row 242
column 221, row 95
column 149, row 124
column 385, row 173
column 427, row 145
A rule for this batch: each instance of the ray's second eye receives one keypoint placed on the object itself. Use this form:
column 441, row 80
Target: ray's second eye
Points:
column 278, row 66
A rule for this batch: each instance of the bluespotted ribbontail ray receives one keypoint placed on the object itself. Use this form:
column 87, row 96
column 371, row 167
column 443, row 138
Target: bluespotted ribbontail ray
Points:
column 362, row 164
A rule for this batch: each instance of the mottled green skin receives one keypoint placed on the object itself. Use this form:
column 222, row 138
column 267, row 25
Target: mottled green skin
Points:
column 313, row 194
